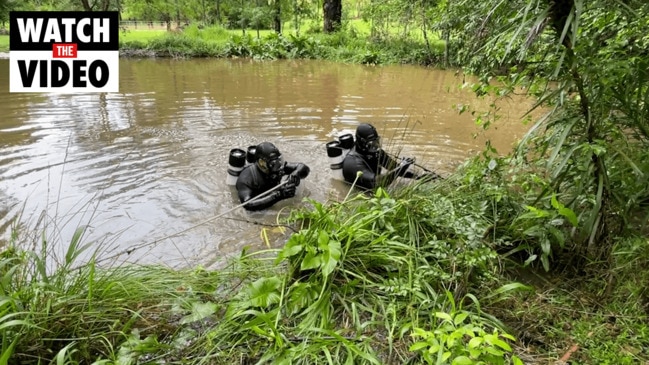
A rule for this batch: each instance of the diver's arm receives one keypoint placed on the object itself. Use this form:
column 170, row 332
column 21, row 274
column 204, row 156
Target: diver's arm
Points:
column 298, row 169
column 247, row 194
column 391, row 163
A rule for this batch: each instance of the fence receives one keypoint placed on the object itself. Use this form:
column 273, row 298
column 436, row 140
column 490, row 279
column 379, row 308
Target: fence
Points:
column 144, row 25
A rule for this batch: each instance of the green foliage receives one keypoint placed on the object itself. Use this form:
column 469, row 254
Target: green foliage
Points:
column 545, row 228
column 461, row 339
column 4, row 43
column 72, row 311
column 583, row 63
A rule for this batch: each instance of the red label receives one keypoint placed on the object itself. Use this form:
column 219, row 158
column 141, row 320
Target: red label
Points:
column 64, row 50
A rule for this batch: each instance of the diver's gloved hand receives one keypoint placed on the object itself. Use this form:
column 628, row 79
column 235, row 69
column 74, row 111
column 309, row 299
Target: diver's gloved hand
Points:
column 294, row 179
column 287, row 191
column 407, row 161
column 404, row 164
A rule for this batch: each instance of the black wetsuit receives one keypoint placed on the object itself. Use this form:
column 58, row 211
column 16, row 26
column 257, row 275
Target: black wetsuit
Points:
column 252, row 182
column 369, row 165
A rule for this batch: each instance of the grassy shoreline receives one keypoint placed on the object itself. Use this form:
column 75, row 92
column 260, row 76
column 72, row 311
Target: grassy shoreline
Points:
column 392, row 278
column 351, row 46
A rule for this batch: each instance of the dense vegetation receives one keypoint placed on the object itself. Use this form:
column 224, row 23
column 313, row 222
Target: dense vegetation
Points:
column 419, row 274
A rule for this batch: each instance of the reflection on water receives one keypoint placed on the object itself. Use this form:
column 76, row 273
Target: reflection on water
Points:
column 150, row 161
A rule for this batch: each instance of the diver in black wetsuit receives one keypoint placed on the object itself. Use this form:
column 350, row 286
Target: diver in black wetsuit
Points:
column 265, row 174
column 367, row 157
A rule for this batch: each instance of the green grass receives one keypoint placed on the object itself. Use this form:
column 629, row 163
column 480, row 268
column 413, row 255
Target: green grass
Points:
column 4, row 43
column 354, row 285
column 351, row 45
column 400, row 276
column 143, row 35
column 345, row 46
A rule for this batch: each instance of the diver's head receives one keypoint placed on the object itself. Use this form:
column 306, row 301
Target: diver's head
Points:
column 269, row 159
column 367, row 139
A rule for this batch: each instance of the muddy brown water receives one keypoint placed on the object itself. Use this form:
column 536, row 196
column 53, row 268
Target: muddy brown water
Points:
column 150, row 161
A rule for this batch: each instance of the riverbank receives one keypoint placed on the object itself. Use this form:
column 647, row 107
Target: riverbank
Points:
column 350, row 46
column 397, row 277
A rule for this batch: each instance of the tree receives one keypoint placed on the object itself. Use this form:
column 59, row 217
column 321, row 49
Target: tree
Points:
column 5, row 7
column 277, row 16
column 333, row 13
column 99, row 5
column 586, row 62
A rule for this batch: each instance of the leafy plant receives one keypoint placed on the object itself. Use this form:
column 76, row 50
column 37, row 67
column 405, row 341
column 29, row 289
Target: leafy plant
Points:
column 461, row 338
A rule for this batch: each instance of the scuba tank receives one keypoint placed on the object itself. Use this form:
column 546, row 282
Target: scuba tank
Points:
column 251, row 156
column 346, row 143
column 236, row 162
column 335, row 153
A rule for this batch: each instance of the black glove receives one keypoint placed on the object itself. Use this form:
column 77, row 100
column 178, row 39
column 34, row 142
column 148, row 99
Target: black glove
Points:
column 293, row 179
column 287, row 191
column 404, row 164
column 407, row 161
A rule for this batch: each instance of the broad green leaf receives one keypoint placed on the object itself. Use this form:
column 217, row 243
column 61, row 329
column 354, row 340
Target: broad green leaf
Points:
column 328, row 263
column 418, row 346
column 475, row 353
column 420, row 332
column 546, row 247
column 546, row 262
column 508, row 336
column 323, row 240
column 311, row 261
column 530, row 260
column 300, row 296
column 199, row 312
column 462, row 360
column 444, row 316
column 446, row 355
column 264, row 292
column 335, row 249
column 435, row 347
column 570, row 216
column 494, row 351
column 502, row 344
column 475, row 342
column 289, row 251
column 565, row 212
column 459, row 319
column 539, row 213
column 555, row 203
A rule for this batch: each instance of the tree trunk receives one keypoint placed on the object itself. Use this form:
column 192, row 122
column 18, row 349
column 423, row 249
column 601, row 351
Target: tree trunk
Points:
column 277, row 17
column 423, row 28
column 297, row 19
column 86, row 5
column 333, row 14
column 218, row 11
column 177, row 15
